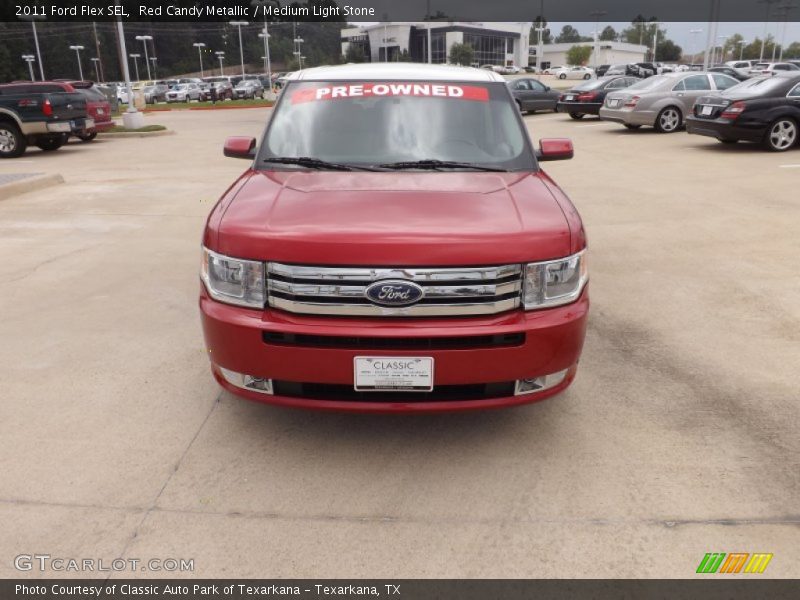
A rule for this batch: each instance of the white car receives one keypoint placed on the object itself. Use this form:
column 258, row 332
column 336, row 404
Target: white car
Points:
column 574, row 73
column 551, row 70
column 742, row 67
column 767, row 68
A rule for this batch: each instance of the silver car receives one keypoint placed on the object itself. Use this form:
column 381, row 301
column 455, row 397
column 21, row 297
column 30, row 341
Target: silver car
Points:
column 662, row 101
column 184, row 92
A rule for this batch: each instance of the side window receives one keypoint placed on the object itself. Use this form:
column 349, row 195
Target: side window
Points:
column 781, row 67
column 723, row 82
column 697, row 83
column 536, row 86
column 522, row 84
column 795, row 92
column 679, row 87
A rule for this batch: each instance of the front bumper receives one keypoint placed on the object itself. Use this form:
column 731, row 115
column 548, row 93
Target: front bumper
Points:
column 628, row 116
column 235, row 340
column 724, row 129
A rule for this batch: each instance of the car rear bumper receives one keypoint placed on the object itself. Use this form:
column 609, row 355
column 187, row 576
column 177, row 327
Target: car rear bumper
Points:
column 477, row 361
column 71, row 126
column 724, row 129
column 586, row 108
column 627, row 116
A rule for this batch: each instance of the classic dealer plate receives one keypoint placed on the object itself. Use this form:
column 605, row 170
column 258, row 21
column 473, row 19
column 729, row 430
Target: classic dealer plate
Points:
column 707, row 110
column 393, row 373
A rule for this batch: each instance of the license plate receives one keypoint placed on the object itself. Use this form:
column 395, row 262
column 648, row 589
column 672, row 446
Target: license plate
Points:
column 570, row 97
column 101, row 111
column 613, row 103
column 706, row 110
column 393, row 373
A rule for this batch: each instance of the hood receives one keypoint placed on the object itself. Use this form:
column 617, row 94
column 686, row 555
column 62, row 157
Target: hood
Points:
column 392, row 218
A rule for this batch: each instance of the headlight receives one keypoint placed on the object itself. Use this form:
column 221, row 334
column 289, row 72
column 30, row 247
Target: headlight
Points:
column 233, row 280
column 554, row 282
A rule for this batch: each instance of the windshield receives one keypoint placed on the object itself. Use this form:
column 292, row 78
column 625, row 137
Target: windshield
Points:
column 649, row 83
column 182, row 86
column 366, row 123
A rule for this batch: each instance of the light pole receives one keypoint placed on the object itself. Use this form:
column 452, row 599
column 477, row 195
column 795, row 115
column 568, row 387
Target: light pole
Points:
column 741, row 48
column 144, row 39
column 154, row 60
column 132, row 119
column 221, row 56
column 267, row 63
column 298, row 42
column 596, row 14
column 539, row 49
column 655, row 41
column 78, row 54
column 239, row 25
column 722, row 52
column 135, row 58
column 769, row 4
column 96, row 62
column 693, row 33
column 200, row 46
column 29, row 58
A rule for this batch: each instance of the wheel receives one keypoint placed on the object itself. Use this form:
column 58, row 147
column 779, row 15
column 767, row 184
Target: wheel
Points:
column 576, row 116
column 12, row 142
column 631, row 126
column 87, row 137
column 669, row 120
column 562, row 76
column 50, row 144
column 781, row 135
column 587, row 76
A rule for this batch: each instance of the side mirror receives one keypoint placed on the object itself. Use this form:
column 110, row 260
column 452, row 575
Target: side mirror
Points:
column 240, row 147
column 547, row 88
column 555, row 149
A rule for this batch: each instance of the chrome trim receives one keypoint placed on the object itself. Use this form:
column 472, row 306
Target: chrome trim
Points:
column 341, row 290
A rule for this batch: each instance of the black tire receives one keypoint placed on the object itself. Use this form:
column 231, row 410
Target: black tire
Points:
column 587, row 76
column 631, row 126
column 562, row 76
column 87, row 137
column 12, row 142
column 576, row 116
column 50, row 144
column 669, row 120
column 781, row 134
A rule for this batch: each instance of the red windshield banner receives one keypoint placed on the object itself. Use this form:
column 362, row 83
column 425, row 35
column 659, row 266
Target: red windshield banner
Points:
column 368, row 90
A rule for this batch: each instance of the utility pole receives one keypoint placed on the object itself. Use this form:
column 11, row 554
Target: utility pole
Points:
column 430, row 51
column 100, row 74
column 30, row 59
column 200, row 46
column 596, row 14
column 239, row 25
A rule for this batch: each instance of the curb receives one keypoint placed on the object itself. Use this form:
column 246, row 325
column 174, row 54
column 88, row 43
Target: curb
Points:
column 223, row 107
column 136, row 134
column 29, row 184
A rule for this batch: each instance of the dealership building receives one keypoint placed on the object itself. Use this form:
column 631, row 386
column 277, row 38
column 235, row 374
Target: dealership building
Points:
column 493, row 43
column 608, row 53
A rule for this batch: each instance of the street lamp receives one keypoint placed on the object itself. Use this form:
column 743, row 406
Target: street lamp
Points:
column 596, row 14
column 144, row 39
column 539, row 49
column 78, row 53
column 239, row 25
column 154, row 60
column 694, row 32
column 741, row 48
column 267, row 64
column 298, row 42
column 30, row 59
column 96, row 62
column 722, row 53
column 221, row 56
column 200, row 46
column 655, row 40
column 135, row 58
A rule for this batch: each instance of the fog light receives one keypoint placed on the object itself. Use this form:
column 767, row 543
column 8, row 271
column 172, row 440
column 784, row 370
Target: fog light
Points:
column 247, row 382
column 539, row 384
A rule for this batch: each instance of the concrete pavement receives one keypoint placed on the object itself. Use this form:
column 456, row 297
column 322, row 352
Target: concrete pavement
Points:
column 679, row 436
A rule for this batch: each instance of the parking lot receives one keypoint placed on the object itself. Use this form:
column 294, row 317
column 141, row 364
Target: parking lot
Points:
column 678, row 437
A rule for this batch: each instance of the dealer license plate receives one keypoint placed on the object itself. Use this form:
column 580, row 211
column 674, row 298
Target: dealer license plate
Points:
column 570, row 97
column 393, row 373
column 707, row 110
column 613, row 103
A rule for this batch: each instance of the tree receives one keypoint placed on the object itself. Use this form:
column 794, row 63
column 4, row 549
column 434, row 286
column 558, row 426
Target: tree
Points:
column 461, row 54
column 792, row 51
column 547, row 36
column 579, row 55
column 609, row 34
column 753, row 49
column 568, row 35
column 354, row 54
column 668, row 51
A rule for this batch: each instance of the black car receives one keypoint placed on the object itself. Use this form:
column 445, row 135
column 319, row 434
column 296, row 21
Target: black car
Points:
column 763, row 109
column 586, row 98
column 601, row 70
column 729, row 71
column 532, row 95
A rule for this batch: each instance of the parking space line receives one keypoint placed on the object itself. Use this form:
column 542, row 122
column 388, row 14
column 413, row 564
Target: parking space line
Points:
column 797, row 166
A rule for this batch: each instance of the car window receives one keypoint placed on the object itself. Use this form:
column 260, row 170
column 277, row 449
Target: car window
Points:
column 536, row 86
column 382, row 122
column 723, row 82
column 794, row 92
column 522, row 84
column 696, row 82
column 679, row 87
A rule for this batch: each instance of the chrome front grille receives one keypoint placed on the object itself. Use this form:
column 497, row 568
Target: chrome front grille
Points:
column 450, row 292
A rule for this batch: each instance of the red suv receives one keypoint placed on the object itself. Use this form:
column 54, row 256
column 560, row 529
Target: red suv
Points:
column 97, row 106
column 394, row 246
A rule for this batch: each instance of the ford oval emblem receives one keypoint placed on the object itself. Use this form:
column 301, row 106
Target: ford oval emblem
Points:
column 394, row 292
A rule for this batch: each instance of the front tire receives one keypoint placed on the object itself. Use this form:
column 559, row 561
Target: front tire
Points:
column 631, row 126
column 781, row 135
column 669, row 120
column 87, row 137
column 562, row 76
column 587, row 76
column 576, row 116
column 12, row 142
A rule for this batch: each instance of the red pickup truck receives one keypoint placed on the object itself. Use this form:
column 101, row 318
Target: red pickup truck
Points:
column 394, row 247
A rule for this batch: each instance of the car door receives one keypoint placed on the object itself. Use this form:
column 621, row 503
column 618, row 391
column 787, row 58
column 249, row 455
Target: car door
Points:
column 522, row 92
column 690, row 89
column 793, row 97
column 542, row 97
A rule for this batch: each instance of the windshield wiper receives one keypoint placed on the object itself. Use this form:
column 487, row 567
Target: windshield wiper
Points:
column 435, row 164
column 315, row 163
